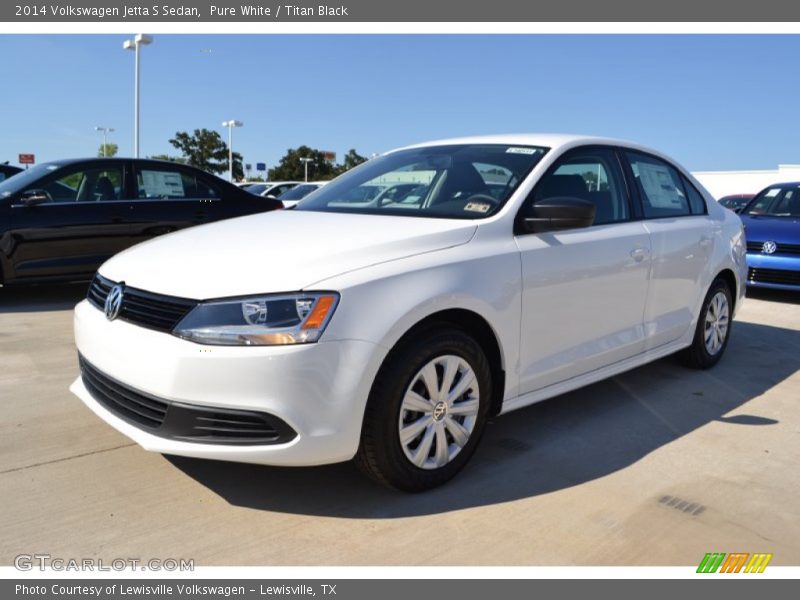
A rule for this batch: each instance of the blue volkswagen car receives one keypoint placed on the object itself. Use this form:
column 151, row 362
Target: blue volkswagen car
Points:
column 772, row 227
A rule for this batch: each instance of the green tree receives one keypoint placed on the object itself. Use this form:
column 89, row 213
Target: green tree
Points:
column 108, row 150
column 206, row 150
column 351, row 159
column 291, row 167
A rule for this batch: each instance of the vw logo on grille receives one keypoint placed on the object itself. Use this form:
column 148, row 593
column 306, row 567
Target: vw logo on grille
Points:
column 769, row 247
column 114, row 301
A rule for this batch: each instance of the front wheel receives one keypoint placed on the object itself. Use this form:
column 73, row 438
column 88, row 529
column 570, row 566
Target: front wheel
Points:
column 713, row 328
column 426, row 411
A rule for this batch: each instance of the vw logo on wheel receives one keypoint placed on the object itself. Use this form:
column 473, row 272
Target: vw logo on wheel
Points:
column 114, row 302
column 769, row 247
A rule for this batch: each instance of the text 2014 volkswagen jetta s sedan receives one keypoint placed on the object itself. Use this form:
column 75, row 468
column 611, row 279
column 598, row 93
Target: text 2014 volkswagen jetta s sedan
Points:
column 390, row 331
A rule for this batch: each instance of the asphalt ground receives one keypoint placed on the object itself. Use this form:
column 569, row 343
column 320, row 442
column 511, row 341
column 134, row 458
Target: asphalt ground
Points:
column 654, row 467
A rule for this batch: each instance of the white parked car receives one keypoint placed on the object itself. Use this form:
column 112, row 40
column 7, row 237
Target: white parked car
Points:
column 300, row 191
column 271, row 188
column 390, row 333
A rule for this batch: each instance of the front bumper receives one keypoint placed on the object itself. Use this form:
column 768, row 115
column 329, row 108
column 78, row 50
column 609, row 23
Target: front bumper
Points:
column 773, row 271
column 319, row 390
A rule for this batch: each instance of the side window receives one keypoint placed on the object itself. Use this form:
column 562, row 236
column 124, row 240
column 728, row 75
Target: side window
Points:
column 169, row 184
column 696, row 201
column 659, row 186
column 592, row 174
column 86, row 185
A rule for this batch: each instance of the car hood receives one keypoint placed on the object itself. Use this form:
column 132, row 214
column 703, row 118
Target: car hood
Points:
column 279, row 251
column 784, row 230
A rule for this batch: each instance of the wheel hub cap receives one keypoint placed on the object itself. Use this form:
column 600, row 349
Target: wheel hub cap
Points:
column 439, row 412
column 717, row 323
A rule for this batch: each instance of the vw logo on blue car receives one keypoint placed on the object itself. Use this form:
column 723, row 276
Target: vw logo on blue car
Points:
column 113, row 302
column 769, row 247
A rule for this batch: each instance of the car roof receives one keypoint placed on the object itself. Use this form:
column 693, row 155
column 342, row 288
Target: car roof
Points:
column 63, row 162
column 549, row 140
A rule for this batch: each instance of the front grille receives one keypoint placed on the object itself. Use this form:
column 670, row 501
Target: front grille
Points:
column 182, row 421
column 123, row 401
column 154, row 311
column 778, row 276
column 781, row 248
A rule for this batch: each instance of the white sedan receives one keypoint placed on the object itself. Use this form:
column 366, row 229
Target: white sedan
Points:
column 526, row 266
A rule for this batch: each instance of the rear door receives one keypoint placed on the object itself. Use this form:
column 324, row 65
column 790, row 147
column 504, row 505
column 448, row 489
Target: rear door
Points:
column 681, row 231
column 169, row 198
column 82, row 223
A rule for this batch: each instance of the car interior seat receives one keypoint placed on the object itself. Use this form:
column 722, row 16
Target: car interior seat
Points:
column 104, row 189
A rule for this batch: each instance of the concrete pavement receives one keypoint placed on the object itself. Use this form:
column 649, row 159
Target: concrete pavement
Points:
column 655, row 467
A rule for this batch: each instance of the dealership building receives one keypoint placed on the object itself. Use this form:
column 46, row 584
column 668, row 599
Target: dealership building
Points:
column 724, row 183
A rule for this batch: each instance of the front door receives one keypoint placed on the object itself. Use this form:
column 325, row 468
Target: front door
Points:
column 81, row 224
column 584, row 290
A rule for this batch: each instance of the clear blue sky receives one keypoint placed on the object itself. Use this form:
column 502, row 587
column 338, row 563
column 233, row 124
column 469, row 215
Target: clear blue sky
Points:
column 712, row 102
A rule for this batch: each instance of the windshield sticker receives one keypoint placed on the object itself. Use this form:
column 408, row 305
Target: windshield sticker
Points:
column 481, row 207
column 519, row 150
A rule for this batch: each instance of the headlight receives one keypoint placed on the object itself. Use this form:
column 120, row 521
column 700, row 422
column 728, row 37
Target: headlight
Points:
column 260, row 321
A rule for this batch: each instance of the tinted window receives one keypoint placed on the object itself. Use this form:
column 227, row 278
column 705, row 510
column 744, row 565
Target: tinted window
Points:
column 593, row 175
column 256, row 188
column 696, row 201
column 169, row 184
column 299, row 192
column 84, row 185
column 659, row 186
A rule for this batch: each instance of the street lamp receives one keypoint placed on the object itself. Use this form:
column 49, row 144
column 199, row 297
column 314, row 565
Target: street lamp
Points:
column 106, row 131
column 230, row 125
column 305, row 166
column 139, row 40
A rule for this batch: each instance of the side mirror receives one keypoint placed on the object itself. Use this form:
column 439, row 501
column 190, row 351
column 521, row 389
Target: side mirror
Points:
column 32, row 197
column 554, row 214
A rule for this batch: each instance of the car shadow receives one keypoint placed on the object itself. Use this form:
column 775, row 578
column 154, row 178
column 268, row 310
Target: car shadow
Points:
column 563, row 442
column 41, row 298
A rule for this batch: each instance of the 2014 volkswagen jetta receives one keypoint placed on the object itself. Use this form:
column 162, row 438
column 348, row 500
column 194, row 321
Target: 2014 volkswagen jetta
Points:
column 391, row 329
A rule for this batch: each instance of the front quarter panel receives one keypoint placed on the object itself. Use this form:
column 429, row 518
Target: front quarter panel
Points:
column 380, row 304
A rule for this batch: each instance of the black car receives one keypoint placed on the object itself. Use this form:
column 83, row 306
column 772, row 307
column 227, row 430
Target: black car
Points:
column 7, row 171
column 62, row 220
column 735, row 202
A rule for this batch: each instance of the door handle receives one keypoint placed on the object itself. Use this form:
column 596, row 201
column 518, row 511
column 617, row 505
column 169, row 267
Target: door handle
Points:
column 639, row 254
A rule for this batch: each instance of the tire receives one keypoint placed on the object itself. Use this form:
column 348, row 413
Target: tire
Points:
column 714, row 321
column 418, row 460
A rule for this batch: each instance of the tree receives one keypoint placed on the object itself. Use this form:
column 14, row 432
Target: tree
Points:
column 108, row 150
column 291, row 168
column 351, row 159
column 206, row 150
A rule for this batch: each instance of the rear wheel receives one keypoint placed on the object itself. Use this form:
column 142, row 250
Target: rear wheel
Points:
column 713, row 328
column 426, row 411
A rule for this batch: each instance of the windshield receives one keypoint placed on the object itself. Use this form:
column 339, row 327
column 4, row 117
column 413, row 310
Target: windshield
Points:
column 466, row 181
column 778, row 201
column 256, row 188
column 298, row 192
column 21, row 181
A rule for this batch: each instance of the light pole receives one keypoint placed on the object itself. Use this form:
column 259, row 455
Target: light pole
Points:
column 305, row 166
column 139, row 40
column 106, row 131
column 230, row 125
